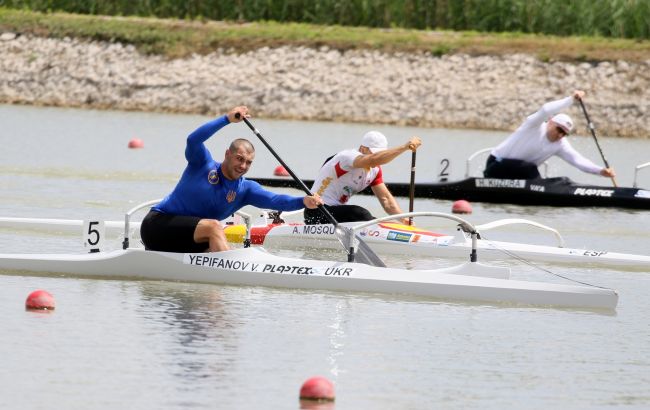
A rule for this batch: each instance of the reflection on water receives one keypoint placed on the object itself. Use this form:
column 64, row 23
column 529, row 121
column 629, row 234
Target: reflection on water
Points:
column 316, row 405
column 196, row 318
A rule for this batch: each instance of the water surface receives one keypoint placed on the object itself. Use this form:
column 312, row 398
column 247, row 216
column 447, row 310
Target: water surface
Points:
column 166, row 345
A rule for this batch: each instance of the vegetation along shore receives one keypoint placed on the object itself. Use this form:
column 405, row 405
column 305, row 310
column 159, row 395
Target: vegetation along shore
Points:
column 305, row 71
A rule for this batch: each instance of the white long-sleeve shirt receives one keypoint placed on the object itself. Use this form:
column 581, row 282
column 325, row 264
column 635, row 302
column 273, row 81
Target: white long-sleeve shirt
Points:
column 530, row 143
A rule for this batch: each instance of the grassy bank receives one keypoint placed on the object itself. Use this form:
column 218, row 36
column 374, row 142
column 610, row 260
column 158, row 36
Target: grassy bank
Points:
column 177, row 38
column 607, row 18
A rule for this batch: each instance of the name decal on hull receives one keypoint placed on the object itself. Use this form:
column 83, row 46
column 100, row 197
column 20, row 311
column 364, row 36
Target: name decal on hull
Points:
column 500, row 183
column 315, row 230
column 234, row 264
column 215, row 262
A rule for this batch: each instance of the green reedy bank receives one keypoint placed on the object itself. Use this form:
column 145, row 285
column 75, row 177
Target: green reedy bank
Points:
column 179, row 37
column 608, row 18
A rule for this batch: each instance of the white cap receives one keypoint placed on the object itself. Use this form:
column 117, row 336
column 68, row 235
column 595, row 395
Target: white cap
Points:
column 563, row 121
column 375, row 141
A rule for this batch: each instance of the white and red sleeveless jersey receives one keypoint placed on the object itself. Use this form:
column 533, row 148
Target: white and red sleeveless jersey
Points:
column 337, row 180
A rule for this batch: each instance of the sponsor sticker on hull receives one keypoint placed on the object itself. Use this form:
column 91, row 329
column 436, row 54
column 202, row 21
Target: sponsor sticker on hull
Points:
column 398, row 236
column 642, row 193
column 593, row 192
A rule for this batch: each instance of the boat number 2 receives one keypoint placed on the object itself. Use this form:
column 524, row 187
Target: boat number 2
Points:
column 94, row 235
column 443, row 176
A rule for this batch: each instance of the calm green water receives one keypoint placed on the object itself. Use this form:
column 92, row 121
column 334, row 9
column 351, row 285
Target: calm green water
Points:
column 147, row 344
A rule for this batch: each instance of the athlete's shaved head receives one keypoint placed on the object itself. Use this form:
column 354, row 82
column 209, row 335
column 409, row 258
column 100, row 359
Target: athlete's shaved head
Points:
column 243, row 143
column 238, row 159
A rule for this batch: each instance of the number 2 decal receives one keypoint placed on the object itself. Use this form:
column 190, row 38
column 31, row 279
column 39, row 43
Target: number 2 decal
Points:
column 443, row 176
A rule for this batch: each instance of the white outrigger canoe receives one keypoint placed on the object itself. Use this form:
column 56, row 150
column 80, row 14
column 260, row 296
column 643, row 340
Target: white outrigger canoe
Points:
column 386, row 237
column 254, row 266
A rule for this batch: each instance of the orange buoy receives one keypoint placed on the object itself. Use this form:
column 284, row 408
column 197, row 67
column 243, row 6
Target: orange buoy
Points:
column 317, row 388
column 280, row 171
column 40, row 300
column 136, row 143
column 461, row 207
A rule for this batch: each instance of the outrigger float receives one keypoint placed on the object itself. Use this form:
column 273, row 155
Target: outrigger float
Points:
column 254, row 266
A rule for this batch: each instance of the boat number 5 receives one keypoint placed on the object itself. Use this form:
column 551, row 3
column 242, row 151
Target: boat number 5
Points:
column 94, row 235
column 443, row 176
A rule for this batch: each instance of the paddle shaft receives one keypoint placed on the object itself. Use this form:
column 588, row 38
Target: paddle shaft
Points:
column 289, row 170
column 412, row 187
column 593, row 134
column 366, row 254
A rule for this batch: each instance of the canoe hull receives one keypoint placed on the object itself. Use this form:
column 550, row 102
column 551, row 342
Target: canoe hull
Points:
column 558, row 192
column 256, row 267
column 389, row 238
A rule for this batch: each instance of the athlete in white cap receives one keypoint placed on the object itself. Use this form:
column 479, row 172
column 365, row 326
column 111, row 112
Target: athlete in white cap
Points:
column 353, row 170
column 540, row 137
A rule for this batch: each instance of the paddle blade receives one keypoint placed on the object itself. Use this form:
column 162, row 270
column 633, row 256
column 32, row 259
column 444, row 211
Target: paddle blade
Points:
column 366, row 255
column 363, row 252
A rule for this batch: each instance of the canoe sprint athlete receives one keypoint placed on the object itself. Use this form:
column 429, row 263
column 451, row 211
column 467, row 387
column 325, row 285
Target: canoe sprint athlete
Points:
column 540, row 137
column 350, row 172
column 187, row 220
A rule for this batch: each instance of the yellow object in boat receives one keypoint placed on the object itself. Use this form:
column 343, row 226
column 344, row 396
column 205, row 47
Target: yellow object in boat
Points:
column 235, row 233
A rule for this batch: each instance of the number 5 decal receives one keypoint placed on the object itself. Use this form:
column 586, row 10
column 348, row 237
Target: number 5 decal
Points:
column 94, row 235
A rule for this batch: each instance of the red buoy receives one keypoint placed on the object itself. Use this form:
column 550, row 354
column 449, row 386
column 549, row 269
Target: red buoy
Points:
column 317, row 388
column 461, row 207
column 136, row 143
column 40, row 300
column 280, row 171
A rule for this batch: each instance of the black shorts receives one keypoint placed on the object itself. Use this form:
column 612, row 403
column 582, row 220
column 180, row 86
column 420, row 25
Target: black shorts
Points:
column 170, row 233
column 342, row 213
column 506, row 168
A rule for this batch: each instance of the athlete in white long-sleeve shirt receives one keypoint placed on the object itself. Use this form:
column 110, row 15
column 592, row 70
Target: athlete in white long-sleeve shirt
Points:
column 536, row 140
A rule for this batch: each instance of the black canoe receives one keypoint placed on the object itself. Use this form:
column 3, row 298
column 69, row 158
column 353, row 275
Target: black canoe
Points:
column 547, row 191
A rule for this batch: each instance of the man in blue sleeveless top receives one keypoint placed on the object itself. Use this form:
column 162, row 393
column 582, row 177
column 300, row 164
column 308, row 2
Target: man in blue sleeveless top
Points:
column 187, row 220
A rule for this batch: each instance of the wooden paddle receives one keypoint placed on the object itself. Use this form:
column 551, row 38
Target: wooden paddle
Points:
column 364, row 254
column 412, row 187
